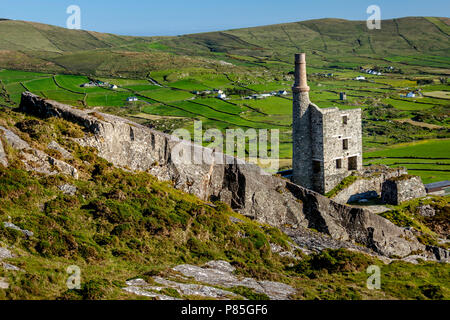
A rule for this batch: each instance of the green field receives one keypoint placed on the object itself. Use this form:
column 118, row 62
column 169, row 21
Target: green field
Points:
column 429, row 159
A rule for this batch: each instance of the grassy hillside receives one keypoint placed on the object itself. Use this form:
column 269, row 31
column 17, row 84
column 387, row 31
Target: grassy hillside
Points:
column 121, row 225
column 332, row 43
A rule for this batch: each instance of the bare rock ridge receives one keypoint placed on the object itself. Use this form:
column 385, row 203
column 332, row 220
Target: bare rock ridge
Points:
column 213, row 273
column 245, row 187
column 34, row 159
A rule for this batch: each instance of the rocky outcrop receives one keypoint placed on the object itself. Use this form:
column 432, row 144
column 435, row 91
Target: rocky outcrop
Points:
column 3, row 157
column 207, row 278
column 68, row 189
column 4, row 283
column 53, row 145
column 245, row 187
column 34, row 159
column 10, row 225
column 7, row 254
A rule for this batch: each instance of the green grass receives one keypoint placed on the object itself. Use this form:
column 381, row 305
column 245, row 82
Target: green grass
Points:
column 12, row 76
column 108, row 98
column 190, row 85
column 271, row 105
column 427, row 149
column 167, row 95
column 433, row 151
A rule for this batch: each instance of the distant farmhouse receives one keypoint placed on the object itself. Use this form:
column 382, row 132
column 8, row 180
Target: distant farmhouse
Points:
column 132, row 99
column 98, row 83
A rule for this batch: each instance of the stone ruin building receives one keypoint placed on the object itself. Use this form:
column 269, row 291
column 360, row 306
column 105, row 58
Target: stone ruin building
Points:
column 327, row 143
column 327, row 147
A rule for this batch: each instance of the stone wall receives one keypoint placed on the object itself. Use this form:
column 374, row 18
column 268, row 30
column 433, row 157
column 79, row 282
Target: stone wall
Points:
column 245, row 187
column 335, row 131
column 403, row 188
column 372, row 179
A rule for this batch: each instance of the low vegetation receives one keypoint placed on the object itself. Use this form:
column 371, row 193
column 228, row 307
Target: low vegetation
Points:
column 122, row 225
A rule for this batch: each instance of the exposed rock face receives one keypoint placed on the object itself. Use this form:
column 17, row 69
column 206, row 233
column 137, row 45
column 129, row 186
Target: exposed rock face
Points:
column 68, row 189
column 4, row 283
column 55, row 146
column 403, row 188
column 220, row 277
column 245, row 187
column 34, row 159
column 10, row 225
column 140, row 287
column 3, row 157
column 213, row 273
column 7, row 254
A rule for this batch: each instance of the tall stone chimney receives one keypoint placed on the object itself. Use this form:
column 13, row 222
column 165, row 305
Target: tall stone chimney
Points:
column 301, row 82
column 301, row 126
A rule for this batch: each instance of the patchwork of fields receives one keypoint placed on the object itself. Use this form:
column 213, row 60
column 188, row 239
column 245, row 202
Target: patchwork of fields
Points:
column 168, row 96
column 429, row 159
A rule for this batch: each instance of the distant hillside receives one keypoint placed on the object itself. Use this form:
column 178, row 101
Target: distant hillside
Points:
column 332, row 43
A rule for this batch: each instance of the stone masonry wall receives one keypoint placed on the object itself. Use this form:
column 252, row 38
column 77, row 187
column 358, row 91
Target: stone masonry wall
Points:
column 335, row 131
column 372, row 180
column 403, row 188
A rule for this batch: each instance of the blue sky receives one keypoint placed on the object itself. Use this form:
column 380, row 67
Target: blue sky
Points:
column 174, row 17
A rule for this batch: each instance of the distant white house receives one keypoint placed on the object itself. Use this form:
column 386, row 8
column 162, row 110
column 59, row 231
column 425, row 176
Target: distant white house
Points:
column 132, row 99
column 89, row 84
column 113, row 86
column 222, row 96
column 282, row 93
column 359, row 78
column 411, row 94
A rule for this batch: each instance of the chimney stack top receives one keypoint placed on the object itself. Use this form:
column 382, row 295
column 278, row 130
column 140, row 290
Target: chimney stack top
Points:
column 301, row 81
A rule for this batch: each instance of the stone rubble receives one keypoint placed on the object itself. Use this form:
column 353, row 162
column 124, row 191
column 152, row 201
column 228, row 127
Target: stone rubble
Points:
column 282, row 252
column 427, row 211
